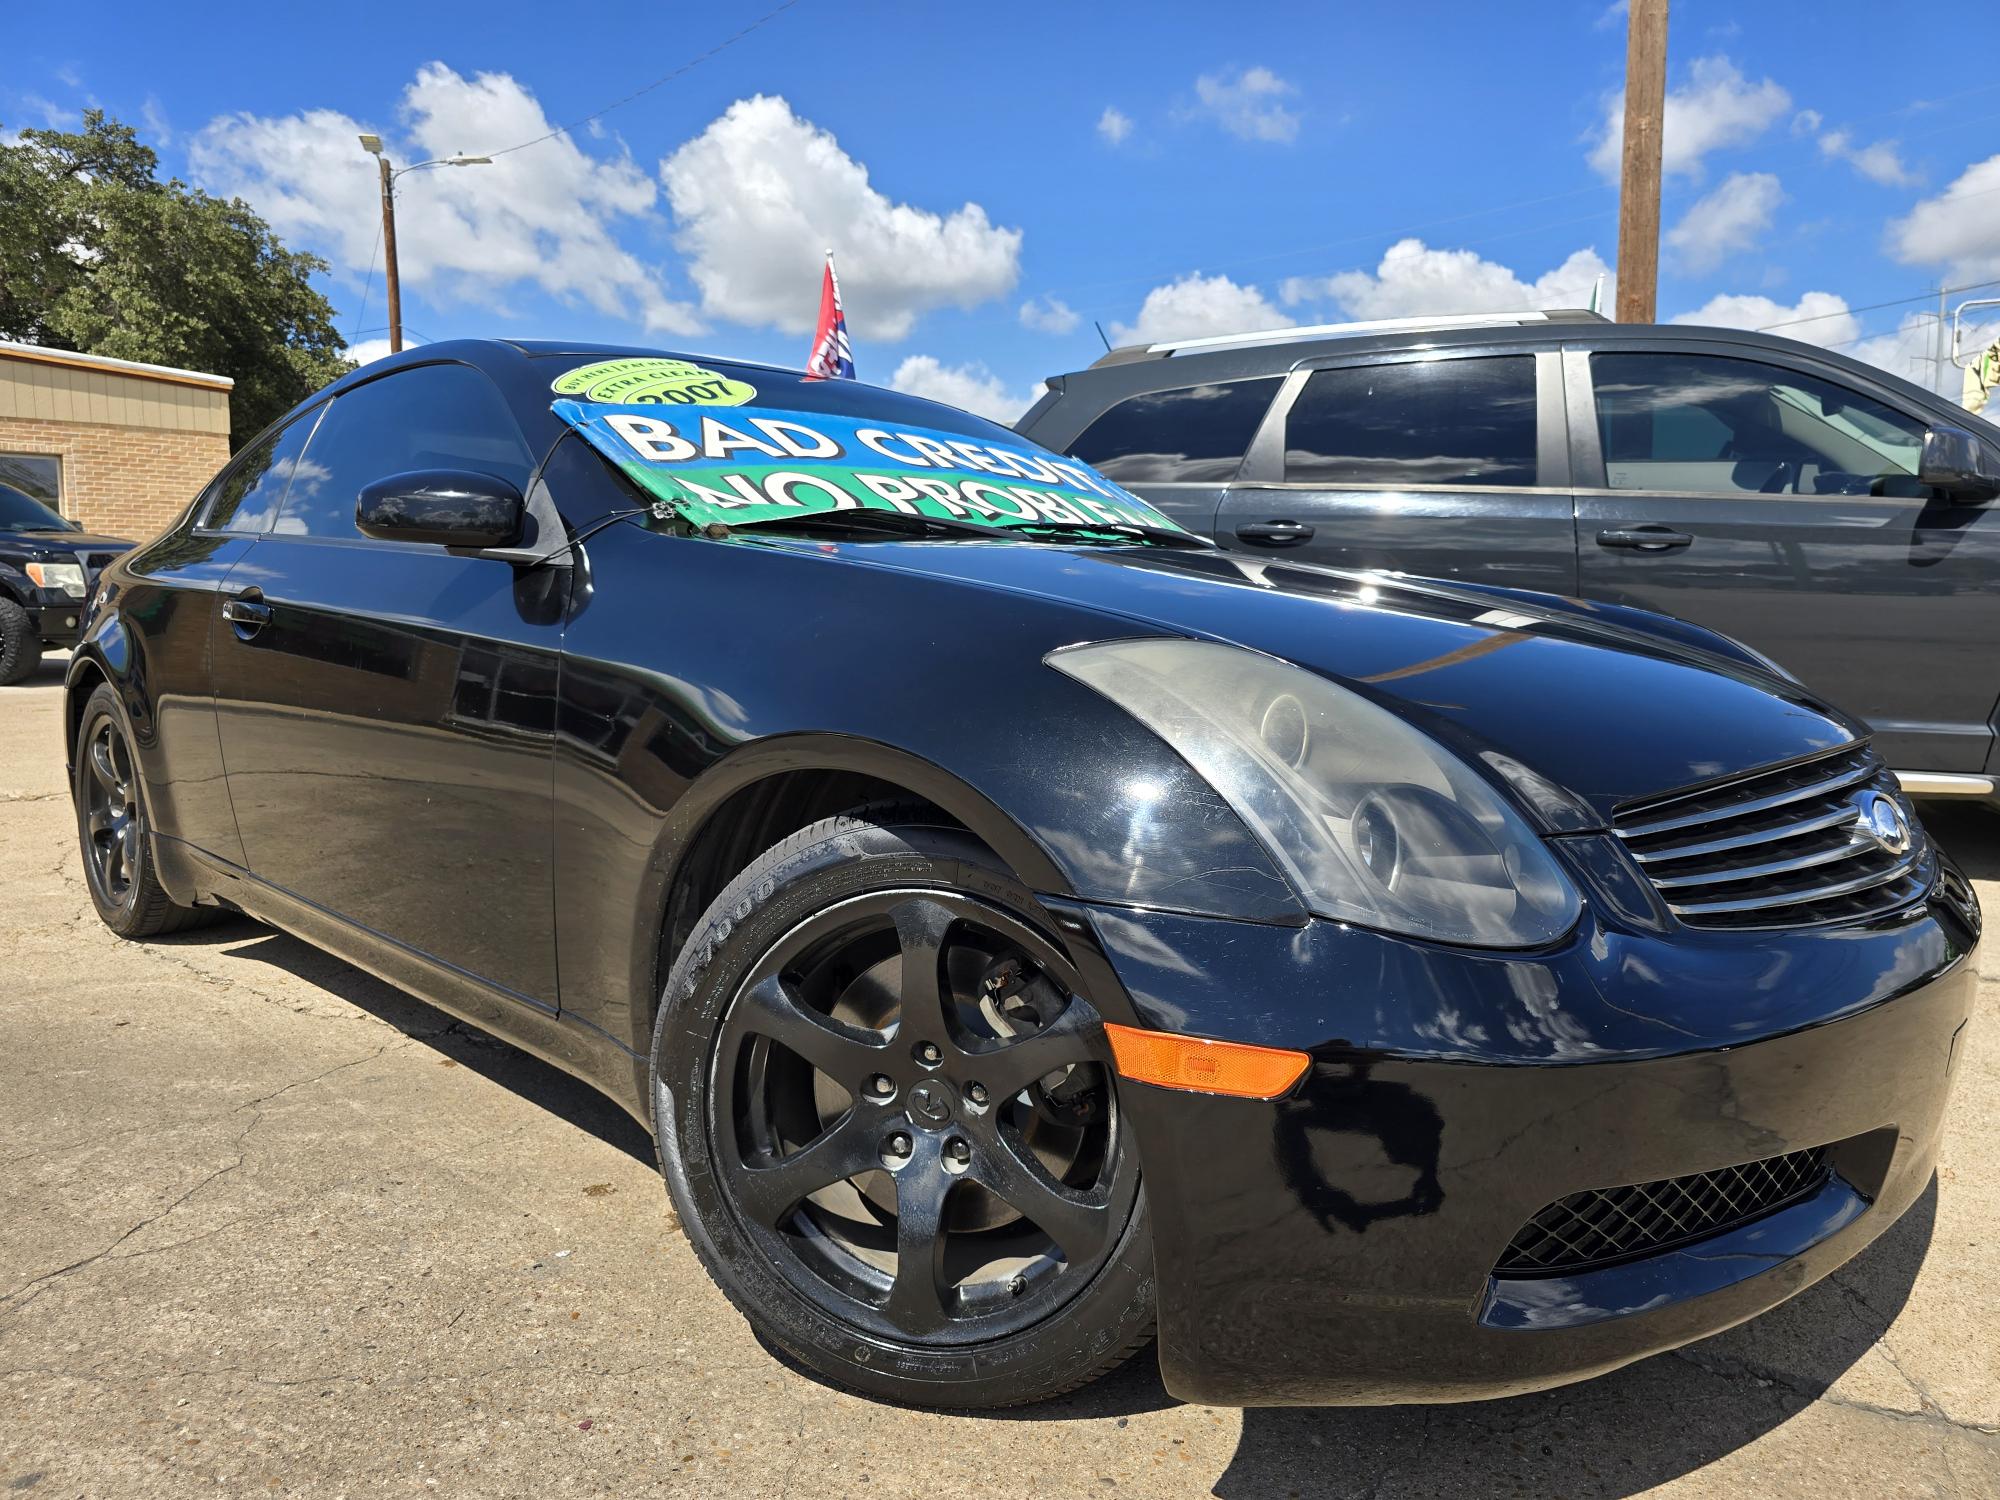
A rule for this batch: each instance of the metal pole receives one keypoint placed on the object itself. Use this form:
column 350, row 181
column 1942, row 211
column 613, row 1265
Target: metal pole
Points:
column 389, row 256
column 1943, row 348
column 1639, row 178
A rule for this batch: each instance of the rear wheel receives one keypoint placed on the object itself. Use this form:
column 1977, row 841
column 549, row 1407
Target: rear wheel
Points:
column 20, row 647
column 112, row 827
column 889, row 1122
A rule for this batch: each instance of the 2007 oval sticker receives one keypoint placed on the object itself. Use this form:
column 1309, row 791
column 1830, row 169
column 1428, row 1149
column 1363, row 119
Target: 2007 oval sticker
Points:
column 652, row 382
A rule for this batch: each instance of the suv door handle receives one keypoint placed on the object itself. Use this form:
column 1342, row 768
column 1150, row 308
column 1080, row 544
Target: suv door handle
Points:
column 247, row 612
column 1274, row 533
column 1647, row 538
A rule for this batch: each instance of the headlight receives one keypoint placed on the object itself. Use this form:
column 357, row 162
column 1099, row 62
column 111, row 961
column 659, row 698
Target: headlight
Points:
column 1373, row 821
column 55, row 575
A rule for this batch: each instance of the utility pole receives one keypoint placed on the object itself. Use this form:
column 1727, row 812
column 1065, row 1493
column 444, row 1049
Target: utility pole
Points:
column 389, row 276
column 1639, row 177
column 372, row 144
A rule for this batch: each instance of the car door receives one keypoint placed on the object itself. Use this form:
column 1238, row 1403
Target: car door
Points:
column 1778, row 503
column 169, row 614
column 1178, row 448
column 387, row 709
column 1450, row 465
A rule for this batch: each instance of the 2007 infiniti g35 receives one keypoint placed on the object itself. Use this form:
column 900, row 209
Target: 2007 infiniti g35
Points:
column 1020, row 924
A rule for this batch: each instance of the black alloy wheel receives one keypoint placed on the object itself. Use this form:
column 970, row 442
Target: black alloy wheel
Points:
column 113, row 831
column 908, row 1153
column 114, row 827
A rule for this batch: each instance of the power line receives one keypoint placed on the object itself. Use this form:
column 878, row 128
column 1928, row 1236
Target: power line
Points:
column 1923, row 296
column 688, row 66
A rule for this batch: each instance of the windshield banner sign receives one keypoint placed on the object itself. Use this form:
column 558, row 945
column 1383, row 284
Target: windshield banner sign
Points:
column 754, row 464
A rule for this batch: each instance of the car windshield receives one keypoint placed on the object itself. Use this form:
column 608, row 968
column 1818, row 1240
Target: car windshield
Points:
column 740, row 445
column 19, row 512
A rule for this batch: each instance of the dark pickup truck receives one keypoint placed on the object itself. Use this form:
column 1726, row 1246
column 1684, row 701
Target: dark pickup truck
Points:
column 47, row 568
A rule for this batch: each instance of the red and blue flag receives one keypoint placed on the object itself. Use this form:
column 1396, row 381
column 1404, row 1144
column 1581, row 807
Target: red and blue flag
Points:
column 832, row 356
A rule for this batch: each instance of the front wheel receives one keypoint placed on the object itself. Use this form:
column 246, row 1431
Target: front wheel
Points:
column 20, row 648
column 890, row 1124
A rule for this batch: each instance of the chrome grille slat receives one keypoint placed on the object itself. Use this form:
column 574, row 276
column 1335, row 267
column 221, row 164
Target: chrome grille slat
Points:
column 1752, row 872
column 1756, row 804
column 1801, row 898
column 1831, row 819
column 1786, row 847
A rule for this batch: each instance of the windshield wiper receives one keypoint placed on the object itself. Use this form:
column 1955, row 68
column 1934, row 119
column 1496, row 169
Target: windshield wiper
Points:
column 891, row 522
column 1165, row 536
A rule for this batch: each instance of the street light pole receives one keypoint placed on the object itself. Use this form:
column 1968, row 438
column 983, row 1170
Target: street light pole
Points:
column 389, row 273
column 372, row 144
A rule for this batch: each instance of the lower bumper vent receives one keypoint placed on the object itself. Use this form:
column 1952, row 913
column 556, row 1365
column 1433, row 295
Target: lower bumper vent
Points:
column 1607, row 1225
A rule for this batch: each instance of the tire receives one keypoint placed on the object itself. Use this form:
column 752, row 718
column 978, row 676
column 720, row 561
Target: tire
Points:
column 809, row 946
column 20, row 647
column 114, row 831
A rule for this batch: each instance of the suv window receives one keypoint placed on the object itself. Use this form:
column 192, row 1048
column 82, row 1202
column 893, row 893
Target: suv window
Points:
column 1195, row 435
column 1433, row 421
column 248, row 496
column 431, row 417
column 1715, row 425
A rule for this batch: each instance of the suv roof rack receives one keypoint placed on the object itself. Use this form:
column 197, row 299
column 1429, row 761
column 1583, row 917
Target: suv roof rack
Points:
column 1129, row 352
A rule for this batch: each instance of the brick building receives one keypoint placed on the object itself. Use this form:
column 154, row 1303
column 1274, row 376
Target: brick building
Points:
column 117, row 447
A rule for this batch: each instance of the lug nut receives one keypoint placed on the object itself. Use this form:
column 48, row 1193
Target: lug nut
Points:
column 976, row 1092
column 879, row 1086
column 898, row 1145
column 928, row 1054
column 957, row 1151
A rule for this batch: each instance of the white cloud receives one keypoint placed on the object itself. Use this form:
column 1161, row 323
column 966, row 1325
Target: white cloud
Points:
column 1911, row 352
column 542, row 218
column 1197, row 306
column 1806, row 121
column 367, row 351
column 1114, row 125
column 1959, row 227
column 1047, row 314
column 1728, row 220
column 153, row 115
column 1614, row 14
column 972, row 387
column 1414, row 280
column 1247, row 104
column 1816, row 318
column 1880, row 162
column 759, row 195
column 1717, row 108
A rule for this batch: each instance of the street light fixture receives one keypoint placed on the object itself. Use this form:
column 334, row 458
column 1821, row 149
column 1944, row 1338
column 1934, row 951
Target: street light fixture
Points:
column 372, row 144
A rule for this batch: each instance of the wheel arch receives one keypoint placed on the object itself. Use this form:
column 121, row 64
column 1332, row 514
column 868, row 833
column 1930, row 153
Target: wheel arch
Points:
column 765, row 791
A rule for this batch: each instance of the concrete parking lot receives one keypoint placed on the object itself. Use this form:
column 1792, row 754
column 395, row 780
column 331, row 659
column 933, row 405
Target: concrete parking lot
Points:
column 269, row 1225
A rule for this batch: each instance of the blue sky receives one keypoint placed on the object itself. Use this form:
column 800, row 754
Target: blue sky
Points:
column 995, row 180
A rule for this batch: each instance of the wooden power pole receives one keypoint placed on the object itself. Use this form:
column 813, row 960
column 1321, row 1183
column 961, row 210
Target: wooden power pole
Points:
column 390, row 271
column 1639, row 177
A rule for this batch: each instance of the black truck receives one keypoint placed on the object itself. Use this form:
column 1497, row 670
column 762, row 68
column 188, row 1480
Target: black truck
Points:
column 47, row 568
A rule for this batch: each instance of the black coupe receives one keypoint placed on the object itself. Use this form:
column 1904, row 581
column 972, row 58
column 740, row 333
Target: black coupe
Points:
column 1022, row 925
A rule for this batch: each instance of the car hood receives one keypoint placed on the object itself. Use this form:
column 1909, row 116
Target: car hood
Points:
column 1577, row 713
column 52, row 539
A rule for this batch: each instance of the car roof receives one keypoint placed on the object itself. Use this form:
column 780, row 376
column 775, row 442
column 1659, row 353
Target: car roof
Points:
column 1140, row 369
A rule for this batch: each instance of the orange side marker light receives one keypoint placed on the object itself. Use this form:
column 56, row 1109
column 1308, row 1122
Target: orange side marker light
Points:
column 1235, row 1069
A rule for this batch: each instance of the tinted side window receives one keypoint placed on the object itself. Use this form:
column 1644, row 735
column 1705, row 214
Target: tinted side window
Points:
column 1439, row 421
column 432, row 417
column 248, row 498
column 1196, row 435
column 1737, row 426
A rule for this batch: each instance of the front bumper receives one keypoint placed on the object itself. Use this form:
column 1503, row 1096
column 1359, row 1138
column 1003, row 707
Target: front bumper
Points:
column 1337, row 1246
column 56, row 619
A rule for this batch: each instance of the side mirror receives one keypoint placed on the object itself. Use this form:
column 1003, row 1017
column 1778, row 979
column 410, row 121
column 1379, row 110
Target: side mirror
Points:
column 450, row 507
column 1960, row 463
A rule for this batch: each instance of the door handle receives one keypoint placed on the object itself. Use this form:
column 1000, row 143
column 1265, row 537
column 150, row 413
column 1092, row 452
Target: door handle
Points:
column 247, row 612
column 1647, row 538
column 1274, row 533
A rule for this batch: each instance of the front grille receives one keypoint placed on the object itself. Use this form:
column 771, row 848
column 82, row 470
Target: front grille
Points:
column 1788, row 847
column 1607, row 1225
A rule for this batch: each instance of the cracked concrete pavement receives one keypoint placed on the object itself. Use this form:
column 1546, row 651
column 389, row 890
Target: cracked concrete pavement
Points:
column 270, row 1225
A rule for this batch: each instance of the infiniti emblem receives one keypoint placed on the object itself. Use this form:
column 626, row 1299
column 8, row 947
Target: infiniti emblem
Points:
column 1880, row 819
column 930, row 1103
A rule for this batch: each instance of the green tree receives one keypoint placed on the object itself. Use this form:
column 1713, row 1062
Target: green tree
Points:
column 99, row 256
